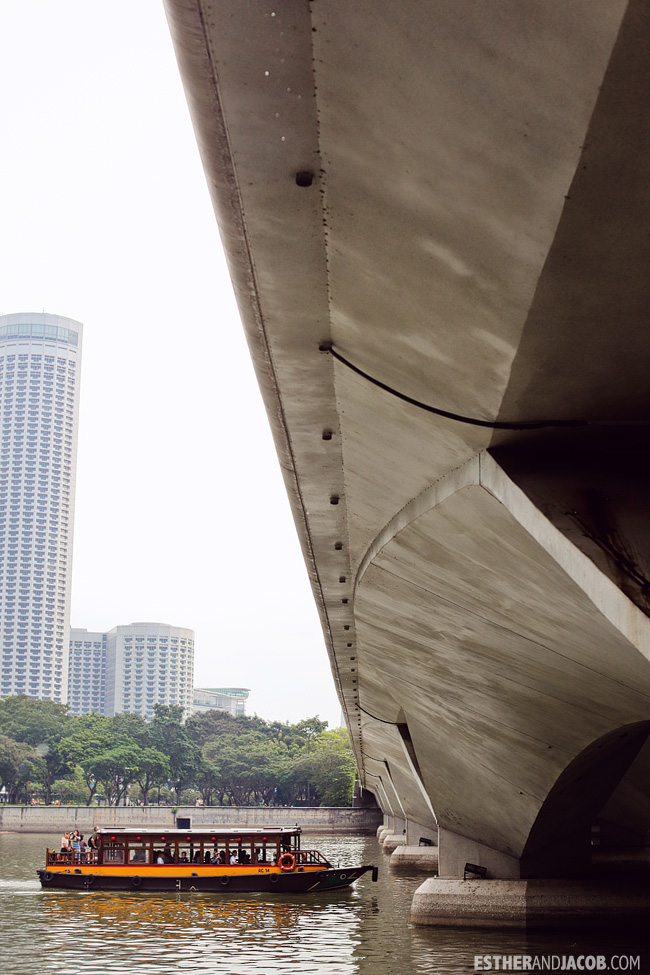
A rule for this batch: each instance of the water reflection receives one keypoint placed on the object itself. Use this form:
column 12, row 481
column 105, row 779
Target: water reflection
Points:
column 359, row 931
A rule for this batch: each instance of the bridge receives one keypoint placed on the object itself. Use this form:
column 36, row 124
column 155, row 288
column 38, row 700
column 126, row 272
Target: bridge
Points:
column 436, row 218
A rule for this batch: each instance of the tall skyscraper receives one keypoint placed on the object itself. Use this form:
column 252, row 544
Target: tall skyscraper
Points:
column 147, row 664
column 87, row 672
column 40, row 358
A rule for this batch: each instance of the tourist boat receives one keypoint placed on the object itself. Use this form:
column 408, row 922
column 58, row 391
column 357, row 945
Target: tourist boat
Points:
column 219, row 860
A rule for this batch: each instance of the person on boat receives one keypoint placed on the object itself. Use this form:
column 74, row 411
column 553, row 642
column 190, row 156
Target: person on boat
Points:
column 233, row 859
column 215, row 858
column 93, row 844
column 183, row 858
column 167, row 854
column 222, row 857
column 75, row 843
column 83, row 847
column 160, row 857
column 65, row 843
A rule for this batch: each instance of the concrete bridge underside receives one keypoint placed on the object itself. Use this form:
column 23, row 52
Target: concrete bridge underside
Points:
column 453, row 197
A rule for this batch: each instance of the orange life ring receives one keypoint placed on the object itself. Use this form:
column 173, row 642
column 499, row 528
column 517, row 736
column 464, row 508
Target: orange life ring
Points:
column 287, row 861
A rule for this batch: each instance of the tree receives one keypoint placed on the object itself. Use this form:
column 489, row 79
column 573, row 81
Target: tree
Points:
column 91, row 736
column 40, row 724
column 170, row 737
column 332, row 768
column 208, row 778
column 132, row 727
column 35, row 722
column 115, row 769
column 19, row 765
column 250, row 766
column 210, row 724
column 71, row 790
column 309, row 729
column 105, row 753
column 151, row 769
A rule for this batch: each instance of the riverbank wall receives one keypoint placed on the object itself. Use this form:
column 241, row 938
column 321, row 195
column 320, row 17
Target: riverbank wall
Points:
column 317, row 819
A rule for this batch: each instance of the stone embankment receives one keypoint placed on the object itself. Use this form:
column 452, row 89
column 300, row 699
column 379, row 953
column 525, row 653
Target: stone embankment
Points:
column 319, row 819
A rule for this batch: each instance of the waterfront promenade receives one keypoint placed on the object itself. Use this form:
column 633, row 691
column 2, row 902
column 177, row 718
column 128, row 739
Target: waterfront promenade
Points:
column 317, row 819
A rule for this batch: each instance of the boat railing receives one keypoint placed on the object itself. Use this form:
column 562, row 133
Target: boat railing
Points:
column 55, row 857
column 310, row 857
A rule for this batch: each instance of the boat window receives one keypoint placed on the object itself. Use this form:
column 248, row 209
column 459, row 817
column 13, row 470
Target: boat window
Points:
column 215, row 853
column 186, row 852
column 114, row 853
column 138, row 854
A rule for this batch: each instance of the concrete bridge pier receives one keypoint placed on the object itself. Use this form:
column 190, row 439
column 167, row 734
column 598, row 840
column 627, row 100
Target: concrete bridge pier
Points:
column 415, row 848
column 456, row 851
column 415, row 858
column 392, row 825
column 419, row 835
column 392, row 832
column 398, row 836
column 497, row 895
column 392, row 841
column 527, row 904
column 418, row 849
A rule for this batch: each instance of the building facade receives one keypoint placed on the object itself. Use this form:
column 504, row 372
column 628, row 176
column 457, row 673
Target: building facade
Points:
column 87, row 672
column 230, row 699
column 148, row 664
column 40, row 359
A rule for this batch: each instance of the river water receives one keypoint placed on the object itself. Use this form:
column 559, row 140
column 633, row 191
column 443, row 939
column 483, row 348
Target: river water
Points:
column 361, row 930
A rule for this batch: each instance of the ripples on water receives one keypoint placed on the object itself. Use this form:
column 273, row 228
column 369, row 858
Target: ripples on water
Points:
column 360, row 931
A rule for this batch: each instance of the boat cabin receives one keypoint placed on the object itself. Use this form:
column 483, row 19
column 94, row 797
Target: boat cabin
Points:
column 198, row 847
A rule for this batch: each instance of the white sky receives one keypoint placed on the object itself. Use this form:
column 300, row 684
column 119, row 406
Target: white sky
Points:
column 181, row 513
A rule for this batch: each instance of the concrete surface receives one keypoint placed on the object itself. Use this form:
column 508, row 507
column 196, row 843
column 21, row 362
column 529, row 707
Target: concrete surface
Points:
column 526, row 904
column 391, row 841
column 415, row 858
column 321, row 819
column 454, row 194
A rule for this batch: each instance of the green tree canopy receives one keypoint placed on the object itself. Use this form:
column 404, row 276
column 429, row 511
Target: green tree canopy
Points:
column 169, row 736
column 40, row 724
column 242, row 759
column 19, row 765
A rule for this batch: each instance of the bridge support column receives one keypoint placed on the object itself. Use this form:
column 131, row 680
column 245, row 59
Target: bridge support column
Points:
column 530, row 904
column 419, row 858
column 417, row 849
column 394, row 836
column 416, row 834
column 455, row 851
column 501, row 899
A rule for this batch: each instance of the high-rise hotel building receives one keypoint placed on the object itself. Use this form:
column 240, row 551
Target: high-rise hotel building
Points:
column 40, row 359
column 87, row 672
column 148, row 664
column 131, row 669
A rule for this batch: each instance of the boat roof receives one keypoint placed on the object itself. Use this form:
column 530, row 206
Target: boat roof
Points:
column 161, row 832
